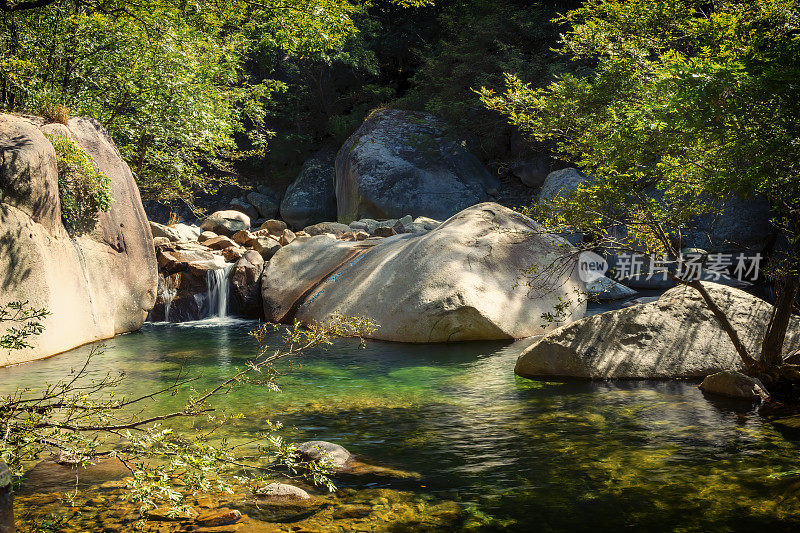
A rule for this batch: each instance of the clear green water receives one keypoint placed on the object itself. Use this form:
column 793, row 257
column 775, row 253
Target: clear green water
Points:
column 543, row 456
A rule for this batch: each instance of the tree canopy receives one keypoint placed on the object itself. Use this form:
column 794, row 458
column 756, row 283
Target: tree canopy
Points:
column 683, row 103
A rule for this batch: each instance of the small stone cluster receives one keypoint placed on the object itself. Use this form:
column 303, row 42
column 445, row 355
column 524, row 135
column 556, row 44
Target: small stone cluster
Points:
column 226, row 239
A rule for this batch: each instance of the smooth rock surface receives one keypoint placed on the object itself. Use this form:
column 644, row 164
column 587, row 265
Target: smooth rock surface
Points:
column 96, row 284
column 282, row 491
column 461, row 281
column 246, row 283
column 674, row 337
column 401, row 162
column 735, row 385
column 742, row 226
column 327, row 227
column 311, row 198
column 226, row 222
column 319, row 450
column 608, row 289
column 560, row 183
column 265, row 205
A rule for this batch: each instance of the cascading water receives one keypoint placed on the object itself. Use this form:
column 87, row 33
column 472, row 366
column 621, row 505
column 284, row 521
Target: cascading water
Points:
column 217, row 291
column 168, row 295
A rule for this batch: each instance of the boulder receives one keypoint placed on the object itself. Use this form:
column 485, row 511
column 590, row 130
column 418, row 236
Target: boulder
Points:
column 311, row 198
column 266, row 205
column 265, row 246
column 741, row 226
column 160, row 240
column 246, row 283
column 461, row 281
column 287, row 237
column 95, row 284
column 676, row 336
column 282, row 491
column 735, row 385
column 321, row 450
column 233, row 253
column 401, row 162
column 183, row 282
column 532, row 172
column 604, row 288
column 219, row 243
column 175, row 233
column 207, row 235
column 242, row 205
column 383, row 231
column 327, row 227
column 427, row 223
column 226, row 222
column 273, row 226
column 242, row 236
column 560, row 183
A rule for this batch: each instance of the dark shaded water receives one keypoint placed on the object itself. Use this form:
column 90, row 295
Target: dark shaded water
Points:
column 532, row 455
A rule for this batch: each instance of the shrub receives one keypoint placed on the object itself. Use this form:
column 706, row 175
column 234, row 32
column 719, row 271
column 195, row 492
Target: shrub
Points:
column 56, row 113
column 83, row 188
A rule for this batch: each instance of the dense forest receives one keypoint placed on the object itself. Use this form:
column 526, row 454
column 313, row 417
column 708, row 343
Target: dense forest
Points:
column 197, row 94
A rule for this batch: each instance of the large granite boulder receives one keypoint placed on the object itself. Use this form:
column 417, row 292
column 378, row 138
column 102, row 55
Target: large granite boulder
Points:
column 561, row 183
column 176, row 232
column 311, row 198
column 742, row 225
column 399, row 163
column 266, row 206
column 461, row 281
column 674, row 337
column 246, row 282
column 95, row 284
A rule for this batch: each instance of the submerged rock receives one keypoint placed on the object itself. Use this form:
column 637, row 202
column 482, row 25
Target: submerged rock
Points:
column 676, row 336
column 461, row 281
column 96, row 283
column 324, row 451
column 282, row 491
column 401, row 162
column 735, row 385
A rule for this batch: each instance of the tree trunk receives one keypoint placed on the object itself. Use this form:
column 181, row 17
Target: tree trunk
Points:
column 772, row 346
column 748, row 360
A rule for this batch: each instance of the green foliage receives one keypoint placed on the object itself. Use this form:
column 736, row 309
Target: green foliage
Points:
column 22, row 323
column 84, row 190
column 479, row 41
column 688, row 102
column 165, row 77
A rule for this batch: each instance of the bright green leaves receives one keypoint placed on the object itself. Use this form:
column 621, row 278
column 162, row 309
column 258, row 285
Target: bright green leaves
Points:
column 83, row 189
column 687, row 102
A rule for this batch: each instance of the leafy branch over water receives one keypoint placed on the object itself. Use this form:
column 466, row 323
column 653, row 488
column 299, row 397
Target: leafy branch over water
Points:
column 80, row 419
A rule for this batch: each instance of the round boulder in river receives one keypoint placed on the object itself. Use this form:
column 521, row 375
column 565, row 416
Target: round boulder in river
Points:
column 676, row 336
column 461, row 281
column 321, row 450
column 401, row 162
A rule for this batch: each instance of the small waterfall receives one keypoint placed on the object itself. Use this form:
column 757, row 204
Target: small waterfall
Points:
column 168, row 295
column 217, row 291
